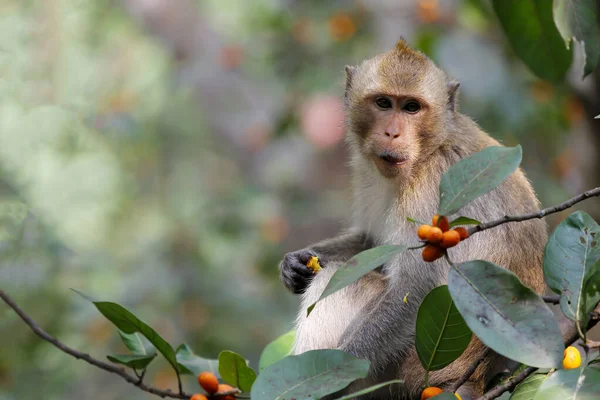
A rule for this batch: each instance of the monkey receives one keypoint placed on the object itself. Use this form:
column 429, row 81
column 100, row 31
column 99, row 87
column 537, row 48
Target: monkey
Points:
column 404, row 130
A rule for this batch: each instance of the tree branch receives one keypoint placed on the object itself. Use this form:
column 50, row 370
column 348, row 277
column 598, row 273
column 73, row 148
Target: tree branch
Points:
column 465, row 377
column 538, row 214
column 97, row 363
column 512, row 382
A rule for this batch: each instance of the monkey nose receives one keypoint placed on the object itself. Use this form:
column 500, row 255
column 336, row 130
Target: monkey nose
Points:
column 392, row 135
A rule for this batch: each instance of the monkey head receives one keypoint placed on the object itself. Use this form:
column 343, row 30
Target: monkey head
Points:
column 398, row 105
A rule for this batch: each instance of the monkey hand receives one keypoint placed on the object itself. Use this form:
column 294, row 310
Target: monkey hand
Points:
column 293, row 271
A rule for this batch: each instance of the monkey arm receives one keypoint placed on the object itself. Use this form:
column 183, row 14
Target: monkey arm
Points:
column 384, row 333
column 293, row 271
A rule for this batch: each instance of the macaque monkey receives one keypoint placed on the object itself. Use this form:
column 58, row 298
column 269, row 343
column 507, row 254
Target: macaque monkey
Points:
column 404, row 131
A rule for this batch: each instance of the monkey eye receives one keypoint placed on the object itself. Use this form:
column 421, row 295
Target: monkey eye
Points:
column 411, row 107
column 384, row 103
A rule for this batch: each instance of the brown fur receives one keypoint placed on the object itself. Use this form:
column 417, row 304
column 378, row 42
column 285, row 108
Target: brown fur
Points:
column 369, row 318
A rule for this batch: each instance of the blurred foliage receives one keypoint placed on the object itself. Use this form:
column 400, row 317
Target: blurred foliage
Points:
column 147, row 182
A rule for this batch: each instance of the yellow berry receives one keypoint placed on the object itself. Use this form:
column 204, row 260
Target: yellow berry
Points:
column 313, row 263
column 462, row 232
column 572, row 358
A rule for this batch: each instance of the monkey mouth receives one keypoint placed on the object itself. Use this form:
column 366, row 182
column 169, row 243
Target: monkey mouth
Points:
column 393, row 159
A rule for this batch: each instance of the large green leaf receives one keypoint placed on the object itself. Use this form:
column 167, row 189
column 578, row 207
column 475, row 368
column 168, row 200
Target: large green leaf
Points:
column 137, row 344
column 234, row 370
column 312, row 374
column 527, row 389
column 442, row 334
column 277, row 349
column 476, row 175
column 505, row 315
column 531, row 31
column 12, row 215
column 570, row 259
column 358, row 266
column 571, row 384
column 190, row 363
column 578, row 20
column 370, row 389
column 137, row 362
column 128, row 323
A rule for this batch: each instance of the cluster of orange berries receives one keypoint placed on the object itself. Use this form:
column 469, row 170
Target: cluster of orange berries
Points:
column 209, row 382
column 439, row 237
column 433, row 391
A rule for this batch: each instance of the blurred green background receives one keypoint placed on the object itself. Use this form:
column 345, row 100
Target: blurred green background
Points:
column 171, row 151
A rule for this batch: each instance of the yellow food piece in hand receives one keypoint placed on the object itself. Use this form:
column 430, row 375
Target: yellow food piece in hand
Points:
column 458, row 396
column 572, row 358
column 313, row 263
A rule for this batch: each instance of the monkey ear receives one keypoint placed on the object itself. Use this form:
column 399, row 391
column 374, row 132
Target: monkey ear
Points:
column 453, row 95
column 350, row 70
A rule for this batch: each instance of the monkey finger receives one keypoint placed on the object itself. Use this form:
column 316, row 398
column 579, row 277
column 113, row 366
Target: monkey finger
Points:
column 302, row 270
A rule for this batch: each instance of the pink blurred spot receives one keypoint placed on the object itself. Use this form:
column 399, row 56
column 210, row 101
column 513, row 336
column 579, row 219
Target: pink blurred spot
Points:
column 322, row 121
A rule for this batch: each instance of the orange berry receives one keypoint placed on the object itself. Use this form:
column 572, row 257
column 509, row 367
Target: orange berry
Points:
column 440, row 222
column 572, row 358
column 198, row 396
column 209, row 382
column 434, row 235
column 423, row 231
column 432, row 252
column 225, row 388
column 450, row 239
column 430, row 392
column 443, row 224
column 462, row 232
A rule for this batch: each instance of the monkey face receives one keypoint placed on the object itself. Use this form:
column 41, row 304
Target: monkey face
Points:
column 391, row 140
column 397, row 104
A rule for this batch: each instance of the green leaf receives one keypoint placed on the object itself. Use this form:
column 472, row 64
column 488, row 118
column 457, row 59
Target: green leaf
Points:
column 12, row 215
column 314, row 374
column 533, row 36
column 506, row 316
column 191, row 364
column 277, row 349
column 464, row 221
column 527, row 389
column 416, row 221
column 358, row 266
column 442, row 334
column 370, row 389
column 591, row 291
column 571, row 384
column 127, row 322
column 570, row 258
column 578, row 20
column 132, row 361
column 234, row 370
column 476, row 175
column 137, row 344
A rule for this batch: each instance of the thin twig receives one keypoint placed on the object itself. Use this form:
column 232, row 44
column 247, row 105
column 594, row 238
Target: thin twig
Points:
column 86, row 357
column 538, row 214
column 512, row 382
column 465, row 377
column 551, row 299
